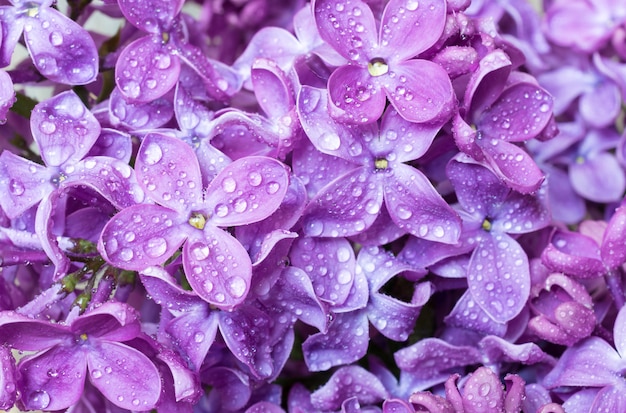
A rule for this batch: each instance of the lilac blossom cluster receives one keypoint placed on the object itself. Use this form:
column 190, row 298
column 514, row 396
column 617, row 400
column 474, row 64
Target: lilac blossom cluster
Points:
column 396, row 206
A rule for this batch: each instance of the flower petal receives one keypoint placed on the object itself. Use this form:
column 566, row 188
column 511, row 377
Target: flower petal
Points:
column 152, row 16
column 138, row 115
column 483, row 392
column 414, row 205
column 61, row 49
column 410, row 27
column 355, row 96
column 598, row 177
column 346, row 206
column 345, row 342
column 53, row 380
column 513, row 165
column 113, row 369
column 612, row 251
column 498, row 277
column 217, row 267
column 146, row 70
column 574, row 254
column 23, row 184
column 248, row 190
column 142, row 235
column 168, row 170
column 349, row 381
column 348, row 27
column 64, row 129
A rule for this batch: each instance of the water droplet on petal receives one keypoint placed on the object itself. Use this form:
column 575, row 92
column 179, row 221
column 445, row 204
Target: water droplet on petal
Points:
column 198, row 337
column 152, row 154
column 126, row 254
column 16, row 187
column 200, row 252
column 330, row 141
column 237, row 287
column 272, row 187
column 484, row 389
column 438, row 231
column 56, row 39
column 344, row 277
column 47, row 127
column 229, row 185
column 96, row 374
column 40, row 399
column 343, row 254
column 255, row 178
column 156, row 247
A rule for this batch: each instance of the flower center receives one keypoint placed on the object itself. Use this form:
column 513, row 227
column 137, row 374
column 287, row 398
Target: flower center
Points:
column 197, row 220
column 83, row 337
column 165, row 37
column 377, row 67
column 381, row 164
column 486, row 225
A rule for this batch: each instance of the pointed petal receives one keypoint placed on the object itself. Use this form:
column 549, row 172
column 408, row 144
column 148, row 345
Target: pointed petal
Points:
column 53, row 380
column 356, row 96
column 349, row 28
column 114, row 144
column 61, row 49
column 168, row 170
column 272, row 88
column 408, row 140
column 592, row 354
column 346, row 206
column 574, row 254
column 410, row 27
column 28, row 334
column 349, row 381
column 248, row 190
column 220, row 80
column 217, row 267
column 194, row 332
column 23, row 184
column 138, row 115
column 396, row 319
column 498, row 277
column 486, row 83
column 421, row 91
column 247, row 333
column 329, row 263
column 520, row 213
column 12, row 26
column 191, row 115
column 113, row 369
column 483, row 392
column 345, row 342
column 154, row 16
column 414, row 205
column 329, row 136
column 111, row 178
column 521, row 112
column 48, row 208
column 499, row 350
column 142, row 235
column 433, row 357
column 64, row 129
column 612, row 252
column 598, row 177
column 146, row 70
column 112, row 321
column 513, row 165
column 467, row 314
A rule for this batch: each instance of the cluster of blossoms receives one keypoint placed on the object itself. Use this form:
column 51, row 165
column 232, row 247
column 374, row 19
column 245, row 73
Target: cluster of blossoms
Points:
column 396, row 206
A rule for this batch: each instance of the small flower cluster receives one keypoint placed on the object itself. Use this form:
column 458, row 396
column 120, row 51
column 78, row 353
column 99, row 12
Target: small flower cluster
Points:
column 394, row 206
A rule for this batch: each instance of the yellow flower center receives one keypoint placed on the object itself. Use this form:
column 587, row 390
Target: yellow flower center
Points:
column 197, row 220
column 486, row 225
column 377, row 67
column 381, row 164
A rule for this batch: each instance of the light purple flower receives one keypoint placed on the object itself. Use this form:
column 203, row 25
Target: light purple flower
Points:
column 382, row 60
column 91, row 346
column 60, row 48
column 373, row 171
column 216, row 264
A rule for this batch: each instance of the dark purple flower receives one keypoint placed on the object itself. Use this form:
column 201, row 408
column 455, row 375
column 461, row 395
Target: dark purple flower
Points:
column 89, row 346
column 60, row 48
column 382, row 60
column 216, row 264
column 373, row 171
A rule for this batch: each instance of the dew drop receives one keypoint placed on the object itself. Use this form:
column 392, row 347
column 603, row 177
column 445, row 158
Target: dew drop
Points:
column 164, row 61
column 151, row 84
column 219, row 297
column 255, row 178
column 229, row 185
column 152, row 154
column 484, row 389
column 315, row 228
column 16, row 187
column 221, row 210
column 207, row 285
column 343, row 254
column 47, row 127
column 156, row 247
column 438, row 231
column 272, row 187
column 330, row 141
column 237, row 287
column 56, row 38
column 240, row 205
column 344, row 277
column 200, row 252
column 96, row 374
column 40, row 399
column 404, row 213
column 198, row 337
column 126, row 254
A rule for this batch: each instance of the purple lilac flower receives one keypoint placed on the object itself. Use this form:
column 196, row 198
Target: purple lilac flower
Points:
column 65, row 131
column 382, row 60
column 495, row 116
column 498, row 273
column 595, row 364
column 216, row 264
column 375, row 172
column 150, row 66
column 89, row 346
column 61, row 50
